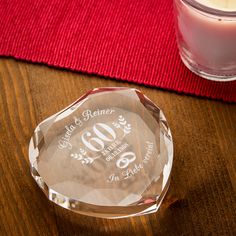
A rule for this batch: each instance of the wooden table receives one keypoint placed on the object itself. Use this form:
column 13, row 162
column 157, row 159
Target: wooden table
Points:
column 201, row 199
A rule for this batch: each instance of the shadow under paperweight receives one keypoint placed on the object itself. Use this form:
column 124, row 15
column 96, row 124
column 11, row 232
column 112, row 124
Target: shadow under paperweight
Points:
column 109, row 154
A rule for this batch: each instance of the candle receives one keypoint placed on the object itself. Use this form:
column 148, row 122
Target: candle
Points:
column 224, row 5
column 206, row 35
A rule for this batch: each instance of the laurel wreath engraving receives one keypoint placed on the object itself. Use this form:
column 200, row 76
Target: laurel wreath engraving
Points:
column 122, row 124
column 82, row 156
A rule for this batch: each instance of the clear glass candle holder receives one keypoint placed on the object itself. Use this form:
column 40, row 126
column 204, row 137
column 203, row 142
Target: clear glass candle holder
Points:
column 206, row 39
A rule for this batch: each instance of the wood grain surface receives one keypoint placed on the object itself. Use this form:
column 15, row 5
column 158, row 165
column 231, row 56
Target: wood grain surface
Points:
column 201, row 199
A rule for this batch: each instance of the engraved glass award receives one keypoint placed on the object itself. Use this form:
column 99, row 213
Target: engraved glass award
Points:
column 109, row 154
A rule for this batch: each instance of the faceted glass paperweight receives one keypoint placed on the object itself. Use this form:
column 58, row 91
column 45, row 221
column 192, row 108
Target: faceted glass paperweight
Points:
column 109, row 154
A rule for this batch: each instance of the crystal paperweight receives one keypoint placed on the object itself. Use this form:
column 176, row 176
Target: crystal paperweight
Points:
column 109, row 154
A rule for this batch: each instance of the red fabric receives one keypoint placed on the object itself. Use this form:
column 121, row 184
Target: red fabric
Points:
column 129, row 40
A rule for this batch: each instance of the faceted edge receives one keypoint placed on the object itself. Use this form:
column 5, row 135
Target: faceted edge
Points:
column 90, row 209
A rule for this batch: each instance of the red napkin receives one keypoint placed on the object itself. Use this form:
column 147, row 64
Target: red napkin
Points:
column 129, row 40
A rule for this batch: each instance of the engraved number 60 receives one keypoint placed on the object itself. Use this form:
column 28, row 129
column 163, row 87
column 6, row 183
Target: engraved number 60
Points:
column 101, row 137
column 125, row 159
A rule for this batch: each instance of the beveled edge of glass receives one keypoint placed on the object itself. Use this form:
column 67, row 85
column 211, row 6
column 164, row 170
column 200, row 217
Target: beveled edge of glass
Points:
column 91, row 209
column 227, row 15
